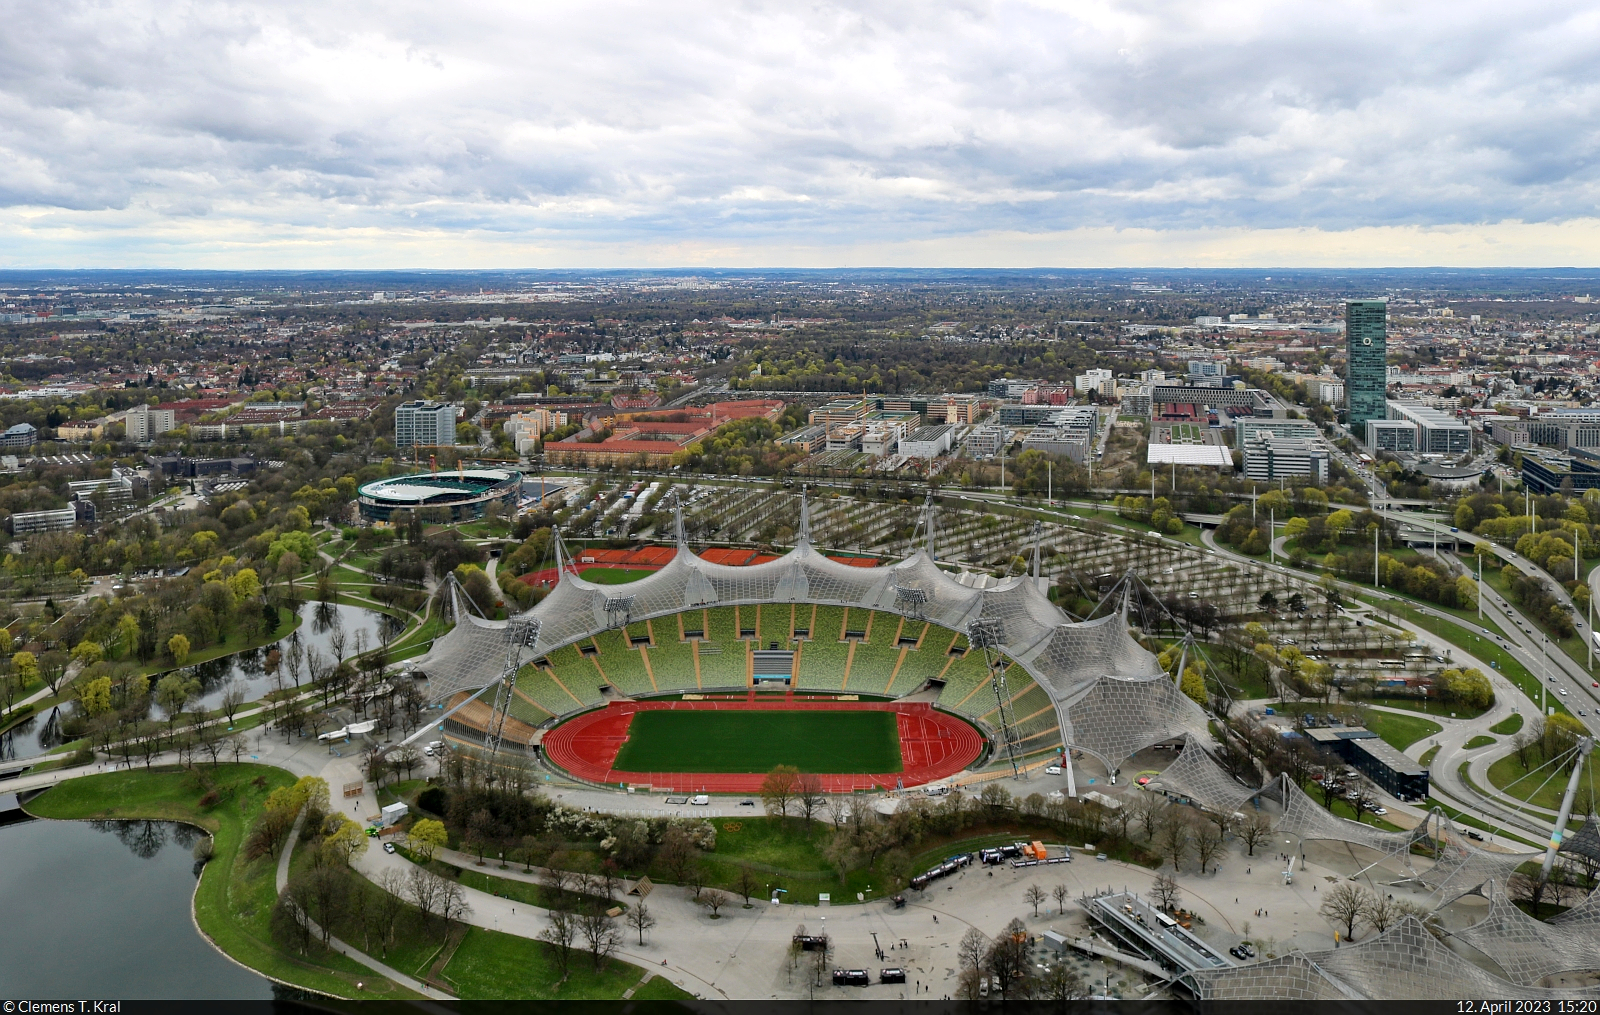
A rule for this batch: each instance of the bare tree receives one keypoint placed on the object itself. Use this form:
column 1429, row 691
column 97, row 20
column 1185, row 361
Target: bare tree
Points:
column 386, row 911
column 1383, row 912
column 713, row 900
column 1207, row 842
column 1147, row 811
column 746, row 883
column 970, row 951
column 639, row 919
column 778, row 789
column 1345, row 904
column 559, row 933
column 808, row 796
column 600, row 934
column 1165, row 891
column 1255, row 831
column 453, row 904
column 425, row 888
column 233, row 699
column 1175, row 836
column 1034, row 896
column 1060, row 892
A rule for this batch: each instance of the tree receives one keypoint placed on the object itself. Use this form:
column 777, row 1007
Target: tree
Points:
column 1175, row 837
column 1166, row 892
column 560, row 931
column 426, row 838
column 178, row 648
column 1344, row 904
column 677, row 853
column 95, row 696
column 27, row 666
column 972, row 948
column 713, row 900
column 1062, row 983
column 1207, row 842
column 778, row 789
column 745, row 883
column 388, row 907
column 1007, row 958
column 808, row 796
column 639, row 919
column 1060, row 892
column 233, row 699
column 599, row 933
column 1033, row 896
column 1255, row 832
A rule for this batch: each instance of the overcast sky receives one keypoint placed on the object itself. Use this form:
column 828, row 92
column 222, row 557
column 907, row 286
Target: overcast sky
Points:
column 328, row 134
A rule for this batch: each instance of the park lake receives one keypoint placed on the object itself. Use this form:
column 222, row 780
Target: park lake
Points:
column 101, row 910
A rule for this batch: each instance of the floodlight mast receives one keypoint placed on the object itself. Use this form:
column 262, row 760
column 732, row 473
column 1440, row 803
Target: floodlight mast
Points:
column 520, row 634
column 989, row 636
column 1585, row 746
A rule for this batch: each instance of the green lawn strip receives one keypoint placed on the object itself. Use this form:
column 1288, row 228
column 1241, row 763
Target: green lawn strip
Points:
column 1508, row 770
column 1463, row 818
column 756, row 741
column 489, row 965
column 1427, row 706
column 1526, row 810
column 1428, row 756
column 233, row 902
column 1479, row 741
column 1509, row 725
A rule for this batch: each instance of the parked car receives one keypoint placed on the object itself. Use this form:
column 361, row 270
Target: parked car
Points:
column 699, row 800
column 1052, row 770
column 388, row 847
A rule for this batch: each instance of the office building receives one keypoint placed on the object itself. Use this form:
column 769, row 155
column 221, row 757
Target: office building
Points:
column 1547, row 472
column 1438, row 433
column 144, row 423
column 1366, row 379
column 1268, row 457
column 21, row 436
column 1391, row 435
column 27, row 522
column 424, row 423
column 985, row 441
column 1283, row 429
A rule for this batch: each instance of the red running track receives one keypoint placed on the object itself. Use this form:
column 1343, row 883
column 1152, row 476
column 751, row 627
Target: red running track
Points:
column 933, row 745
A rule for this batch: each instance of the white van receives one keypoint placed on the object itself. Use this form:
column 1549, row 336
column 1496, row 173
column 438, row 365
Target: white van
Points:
column 700, row 800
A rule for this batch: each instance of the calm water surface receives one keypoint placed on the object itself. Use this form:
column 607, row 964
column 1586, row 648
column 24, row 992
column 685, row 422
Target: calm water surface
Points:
column 102, row 910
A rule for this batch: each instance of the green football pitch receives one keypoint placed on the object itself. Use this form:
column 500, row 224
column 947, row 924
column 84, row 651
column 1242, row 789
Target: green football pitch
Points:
column 828, row 742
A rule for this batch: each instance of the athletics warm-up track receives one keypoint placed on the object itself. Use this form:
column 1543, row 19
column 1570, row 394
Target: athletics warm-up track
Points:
column 933, row 745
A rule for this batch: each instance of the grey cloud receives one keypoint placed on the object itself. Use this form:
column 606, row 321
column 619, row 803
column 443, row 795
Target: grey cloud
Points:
column 876, row 120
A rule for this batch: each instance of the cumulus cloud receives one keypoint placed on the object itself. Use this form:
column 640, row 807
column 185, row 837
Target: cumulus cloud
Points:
column 158, row 127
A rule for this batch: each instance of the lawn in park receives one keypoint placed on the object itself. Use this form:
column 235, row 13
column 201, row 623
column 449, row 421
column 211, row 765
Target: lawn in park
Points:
column 834, row 742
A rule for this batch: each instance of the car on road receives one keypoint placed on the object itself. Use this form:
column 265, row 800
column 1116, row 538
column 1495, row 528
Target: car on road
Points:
column 388, row 847
column 700, row 800
column 1380, row 811
column 1052, row 770
column 1563, row 690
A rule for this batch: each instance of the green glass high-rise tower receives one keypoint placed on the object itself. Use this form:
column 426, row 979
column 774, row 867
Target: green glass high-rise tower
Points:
column 1366, row 379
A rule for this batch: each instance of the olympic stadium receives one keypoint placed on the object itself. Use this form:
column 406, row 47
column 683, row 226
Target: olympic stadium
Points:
column 700, row 676
column 462, row 494
column 976, row 678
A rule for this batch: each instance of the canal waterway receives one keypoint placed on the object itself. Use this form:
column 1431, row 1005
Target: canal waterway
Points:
column 102, row 910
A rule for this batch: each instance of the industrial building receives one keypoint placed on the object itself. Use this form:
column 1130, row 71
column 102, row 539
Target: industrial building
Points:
column 985, row 441
column 1391, row 435
column 928, row 441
